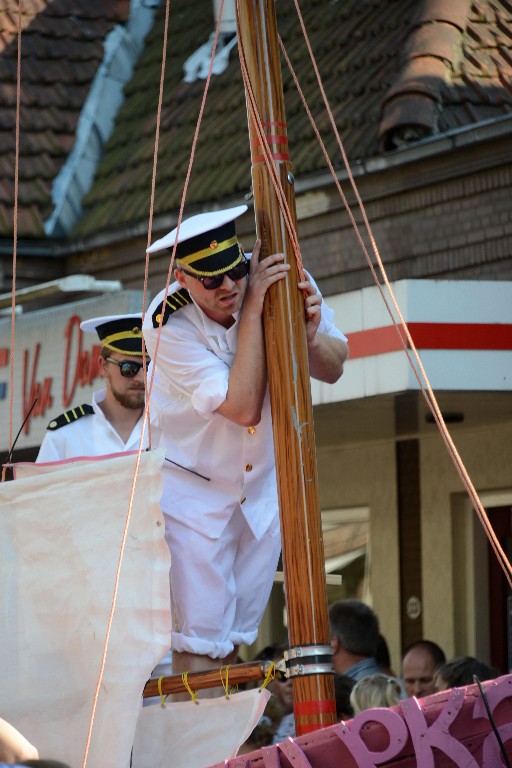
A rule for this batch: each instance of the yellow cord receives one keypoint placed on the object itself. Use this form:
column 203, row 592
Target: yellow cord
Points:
column 193, row 694
column 225, row 683
column 163, row 698
column 271, row 675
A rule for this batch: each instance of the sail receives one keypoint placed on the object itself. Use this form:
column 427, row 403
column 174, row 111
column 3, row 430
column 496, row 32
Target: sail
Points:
column 195, row 734
column 61, row 529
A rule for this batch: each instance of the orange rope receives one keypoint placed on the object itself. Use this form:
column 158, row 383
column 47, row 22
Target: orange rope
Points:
column 149, row 389
column 270, row 165
column 145, row 420
column 402, row 326
column 185, row 186
column 15, row 237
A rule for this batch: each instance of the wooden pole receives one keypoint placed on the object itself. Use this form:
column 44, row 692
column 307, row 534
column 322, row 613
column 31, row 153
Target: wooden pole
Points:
column 289, row 385
column 236, row 674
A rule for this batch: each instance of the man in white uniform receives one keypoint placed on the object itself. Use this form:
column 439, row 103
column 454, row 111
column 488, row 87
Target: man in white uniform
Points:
column 211, row 407
column 112, row 424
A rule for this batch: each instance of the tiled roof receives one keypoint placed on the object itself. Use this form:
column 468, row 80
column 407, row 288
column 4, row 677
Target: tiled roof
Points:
column 386, row 65
column 62, row 46
column 356, row 42
column 456, row 70
column 394, row 71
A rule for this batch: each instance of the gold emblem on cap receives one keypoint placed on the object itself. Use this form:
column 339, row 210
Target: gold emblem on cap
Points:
column 213, row 244
column 136, row 331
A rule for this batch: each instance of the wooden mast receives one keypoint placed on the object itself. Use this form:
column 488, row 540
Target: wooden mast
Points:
column 289, row 385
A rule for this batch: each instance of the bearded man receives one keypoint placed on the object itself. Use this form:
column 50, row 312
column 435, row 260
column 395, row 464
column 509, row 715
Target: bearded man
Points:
column 113, row 422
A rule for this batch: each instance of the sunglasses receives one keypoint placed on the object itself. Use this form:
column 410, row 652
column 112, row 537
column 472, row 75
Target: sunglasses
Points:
column 128, row 368
column 210, row 282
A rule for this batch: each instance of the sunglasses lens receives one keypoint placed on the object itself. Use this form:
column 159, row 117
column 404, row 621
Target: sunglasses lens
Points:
column 241, row 270
column 129, row 369
column 210, row 283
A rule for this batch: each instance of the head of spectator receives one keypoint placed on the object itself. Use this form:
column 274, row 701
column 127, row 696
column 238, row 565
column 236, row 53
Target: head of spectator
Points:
column 342, row 689
column 375, row 691
column 354, row 638
column 420, row 661
column 461, row 671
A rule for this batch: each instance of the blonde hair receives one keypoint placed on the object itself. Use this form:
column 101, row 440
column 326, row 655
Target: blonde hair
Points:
column 376, row 690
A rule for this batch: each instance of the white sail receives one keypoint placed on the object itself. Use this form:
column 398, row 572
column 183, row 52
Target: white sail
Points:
column 61, row 530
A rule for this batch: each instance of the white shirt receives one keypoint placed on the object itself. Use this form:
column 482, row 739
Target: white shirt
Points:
column 212, row 464
column 90, row 435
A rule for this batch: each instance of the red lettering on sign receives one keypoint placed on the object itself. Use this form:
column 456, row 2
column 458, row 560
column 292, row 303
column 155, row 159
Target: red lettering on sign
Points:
column 82, row 363
column 35, row 393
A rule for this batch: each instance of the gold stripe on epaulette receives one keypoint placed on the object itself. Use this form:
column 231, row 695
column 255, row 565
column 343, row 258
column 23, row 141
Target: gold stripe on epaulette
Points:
column 171, row 304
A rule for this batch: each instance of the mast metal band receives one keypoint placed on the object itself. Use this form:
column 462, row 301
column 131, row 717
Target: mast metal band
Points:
column 307, row 660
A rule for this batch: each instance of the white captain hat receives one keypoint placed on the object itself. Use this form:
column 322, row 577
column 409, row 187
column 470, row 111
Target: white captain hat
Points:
column 207, row 243
column 120, row 333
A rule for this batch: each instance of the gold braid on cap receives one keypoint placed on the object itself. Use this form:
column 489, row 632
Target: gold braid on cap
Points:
column 213, row 250
column 108, row 341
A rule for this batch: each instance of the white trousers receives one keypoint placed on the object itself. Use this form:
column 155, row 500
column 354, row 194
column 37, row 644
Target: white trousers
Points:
column 220, row 587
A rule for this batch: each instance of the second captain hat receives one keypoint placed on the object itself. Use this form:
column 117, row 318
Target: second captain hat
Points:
column 207, row 243
column 120, row 333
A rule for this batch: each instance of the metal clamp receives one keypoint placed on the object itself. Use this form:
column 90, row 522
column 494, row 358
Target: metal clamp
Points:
column 314, row 660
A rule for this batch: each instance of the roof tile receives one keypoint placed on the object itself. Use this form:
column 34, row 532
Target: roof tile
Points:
column 62, row 47
column 396, row 69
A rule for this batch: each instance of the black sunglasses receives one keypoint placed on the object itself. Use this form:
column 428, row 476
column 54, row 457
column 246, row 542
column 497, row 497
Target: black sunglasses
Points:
column 210, row 282
column 128, row 368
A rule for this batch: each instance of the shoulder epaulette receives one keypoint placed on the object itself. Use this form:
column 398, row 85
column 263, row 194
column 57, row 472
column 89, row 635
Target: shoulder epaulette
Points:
column 70, row 416
column 170, row 304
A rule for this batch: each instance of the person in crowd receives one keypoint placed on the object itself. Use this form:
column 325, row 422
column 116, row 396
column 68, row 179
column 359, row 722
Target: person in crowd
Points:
column 354, row 638
column 461, row 671
column 420, row 661
column 282, row 691
column 378, row 690
column 211, row 408
column 113, row 422
column 277, row 722
column 343, row 685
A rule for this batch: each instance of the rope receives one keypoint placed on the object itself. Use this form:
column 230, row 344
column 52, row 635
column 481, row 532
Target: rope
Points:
column 150, row 387
column 163, row 697
column 264, row 146
column 193, row 694
column 15, row 238
column 401, row 327
column 269, row 675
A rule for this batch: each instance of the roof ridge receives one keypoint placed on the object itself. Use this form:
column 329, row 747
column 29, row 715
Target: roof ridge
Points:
column 411, row 105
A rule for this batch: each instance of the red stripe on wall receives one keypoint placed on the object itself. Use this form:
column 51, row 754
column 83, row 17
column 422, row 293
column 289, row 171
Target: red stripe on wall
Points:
column 482, row 336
